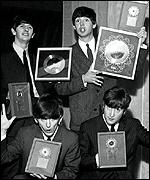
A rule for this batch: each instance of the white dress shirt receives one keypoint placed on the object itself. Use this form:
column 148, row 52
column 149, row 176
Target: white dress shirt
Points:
column 19, row 51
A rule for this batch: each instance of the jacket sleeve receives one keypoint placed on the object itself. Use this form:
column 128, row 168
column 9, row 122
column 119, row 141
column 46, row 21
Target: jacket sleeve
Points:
column 88, row 160
column 71, row 162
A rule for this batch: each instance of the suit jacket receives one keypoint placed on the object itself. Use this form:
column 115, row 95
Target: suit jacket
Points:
column 69, row 158
column 13, row 71
column 84, row 102
column 135, row 134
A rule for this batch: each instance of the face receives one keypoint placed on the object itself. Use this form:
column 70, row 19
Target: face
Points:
column 112, row 115
column 84, row 27
column 48, row 126
column 23, row 32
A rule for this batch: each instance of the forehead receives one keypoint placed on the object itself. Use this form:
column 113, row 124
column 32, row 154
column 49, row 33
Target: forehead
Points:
column 82, row 17
column 25, row 24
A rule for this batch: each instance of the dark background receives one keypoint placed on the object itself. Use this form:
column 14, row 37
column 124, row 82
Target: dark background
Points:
column 47, row 16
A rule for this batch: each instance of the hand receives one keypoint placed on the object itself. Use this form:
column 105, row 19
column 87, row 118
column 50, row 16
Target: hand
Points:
column 91, row 77
column 40, row 176
column 5, row 123
column 142, row 34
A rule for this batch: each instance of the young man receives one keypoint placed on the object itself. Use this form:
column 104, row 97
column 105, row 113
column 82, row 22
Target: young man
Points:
column 13, row 69
column 85, row 88
column 115, row 103
column 48, row 114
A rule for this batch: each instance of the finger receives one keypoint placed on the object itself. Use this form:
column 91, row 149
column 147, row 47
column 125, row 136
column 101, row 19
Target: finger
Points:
column 12, row 119
column 99, row 81
column 3, row 110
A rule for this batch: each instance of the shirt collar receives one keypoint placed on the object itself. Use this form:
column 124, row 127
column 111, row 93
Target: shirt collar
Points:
column 91, row 43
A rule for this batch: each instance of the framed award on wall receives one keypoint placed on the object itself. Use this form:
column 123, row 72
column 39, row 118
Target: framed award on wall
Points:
column 133, row 15
column 112, row 149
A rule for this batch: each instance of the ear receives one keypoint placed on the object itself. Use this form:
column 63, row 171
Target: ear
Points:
column 13, row 31
column 33, row 35
column 74, row 27
column 94, row 26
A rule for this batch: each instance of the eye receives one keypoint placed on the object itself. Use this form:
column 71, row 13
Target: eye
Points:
column 87, row 20
column 30, row 27
column 77, row 20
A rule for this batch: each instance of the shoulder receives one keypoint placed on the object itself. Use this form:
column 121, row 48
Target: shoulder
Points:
column 28, row 129
column 91, row 122
column 69, row 134
column 132, row 122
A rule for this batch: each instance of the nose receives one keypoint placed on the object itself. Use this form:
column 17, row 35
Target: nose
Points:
column 81, row 22
column 112, row 112
column 26, row 28
column 48, row 123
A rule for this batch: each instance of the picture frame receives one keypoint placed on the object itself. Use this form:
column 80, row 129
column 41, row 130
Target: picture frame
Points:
column 43, row 157
column 53, row 64
column 132, row 15
column 116, row 53
column 20, row 99
column 112, row 149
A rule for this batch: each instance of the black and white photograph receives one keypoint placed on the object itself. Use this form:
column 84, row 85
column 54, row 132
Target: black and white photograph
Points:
column 74, row 73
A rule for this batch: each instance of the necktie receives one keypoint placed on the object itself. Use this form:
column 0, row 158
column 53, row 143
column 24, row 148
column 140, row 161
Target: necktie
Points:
column 112, row 128
column 89, row 53
column 28, row 72
column 49, row 138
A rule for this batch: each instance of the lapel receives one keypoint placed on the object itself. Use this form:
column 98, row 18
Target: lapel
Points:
column 122, row 124
column 58, row 136
column 17, row 58
column 81, row 58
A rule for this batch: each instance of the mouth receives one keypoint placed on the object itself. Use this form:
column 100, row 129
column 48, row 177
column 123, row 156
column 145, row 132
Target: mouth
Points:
column 82, row 29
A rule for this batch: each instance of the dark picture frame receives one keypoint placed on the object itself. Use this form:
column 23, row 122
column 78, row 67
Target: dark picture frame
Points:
column 53, row 64
column 112, row 149
column 43, row 157
column 20, row 99
column 117, row 53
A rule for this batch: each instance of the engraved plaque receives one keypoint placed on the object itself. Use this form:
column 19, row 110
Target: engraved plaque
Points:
column 117, row 53
column 20, row 99
column 133, row 15
column 112, row 149
column 43, row 157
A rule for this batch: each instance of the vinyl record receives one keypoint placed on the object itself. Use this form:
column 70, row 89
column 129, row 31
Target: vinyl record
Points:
column 54, row 64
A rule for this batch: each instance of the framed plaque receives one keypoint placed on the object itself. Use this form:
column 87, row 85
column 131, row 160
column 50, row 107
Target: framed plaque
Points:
column 112, row 149
column 132, row 15
column 53, row 64
column 43, row 157
column 20, row 99
column 116, row 53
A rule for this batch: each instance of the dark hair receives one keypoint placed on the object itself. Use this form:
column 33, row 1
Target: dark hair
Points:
column 84, row 11
column 117, row 97
column 48, row 106
column 22, row 19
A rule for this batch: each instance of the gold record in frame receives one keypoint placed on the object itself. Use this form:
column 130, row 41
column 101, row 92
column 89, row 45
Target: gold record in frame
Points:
column 54, row 64
column 116, row 53
column 112, row 149
column 132, row 15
